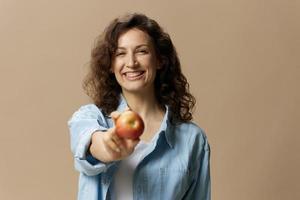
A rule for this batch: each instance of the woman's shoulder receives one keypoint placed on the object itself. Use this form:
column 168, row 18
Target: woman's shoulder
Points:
column 190, row 128
column 88, row 111
column 89, row 108
column 191, row 132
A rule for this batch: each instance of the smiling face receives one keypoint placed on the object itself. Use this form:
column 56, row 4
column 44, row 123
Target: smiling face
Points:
column 135, row 62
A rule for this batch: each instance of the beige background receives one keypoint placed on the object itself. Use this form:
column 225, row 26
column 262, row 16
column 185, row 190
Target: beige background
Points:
column 240, row 57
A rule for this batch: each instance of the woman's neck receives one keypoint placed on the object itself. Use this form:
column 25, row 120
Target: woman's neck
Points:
column 149, row 109
column 145, row 105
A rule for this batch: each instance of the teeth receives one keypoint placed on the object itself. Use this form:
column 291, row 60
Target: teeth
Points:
column 133, row 74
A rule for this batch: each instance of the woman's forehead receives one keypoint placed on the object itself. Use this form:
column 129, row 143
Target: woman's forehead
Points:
column 134, row 37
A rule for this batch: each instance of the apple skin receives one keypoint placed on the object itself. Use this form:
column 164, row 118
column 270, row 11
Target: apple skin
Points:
column 129, row 125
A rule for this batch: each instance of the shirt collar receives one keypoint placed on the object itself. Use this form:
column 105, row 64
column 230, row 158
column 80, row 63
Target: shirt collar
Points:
column 166, row 127
column 122, row 104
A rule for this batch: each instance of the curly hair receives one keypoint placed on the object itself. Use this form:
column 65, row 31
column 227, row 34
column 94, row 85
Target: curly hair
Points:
column 171, row 86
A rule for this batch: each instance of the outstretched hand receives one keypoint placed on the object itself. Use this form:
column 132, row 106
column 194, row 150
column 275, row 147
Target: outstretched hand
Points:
column 107, row 146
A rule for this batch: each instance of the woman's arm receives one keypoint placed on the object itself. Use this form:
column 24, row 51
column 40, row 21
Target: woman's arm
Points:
column 94, row 144
column 83, row 123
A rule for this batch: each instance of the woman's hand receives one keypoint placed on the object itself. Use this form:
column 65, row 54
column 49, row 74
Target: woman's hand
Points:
column 108, row 146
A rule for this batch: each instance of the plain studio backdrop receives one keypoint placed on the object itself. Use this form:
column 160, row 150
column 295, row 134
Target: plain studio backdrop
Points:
column 241, row 58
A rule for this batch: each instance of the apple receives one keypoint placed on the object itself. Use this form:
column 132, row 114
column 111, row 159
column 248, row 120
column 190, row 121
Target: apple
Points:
column 129, row 125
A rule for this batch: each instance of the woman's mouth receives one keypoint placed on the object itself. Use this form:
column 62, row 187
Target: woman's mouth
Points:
column 134, row 75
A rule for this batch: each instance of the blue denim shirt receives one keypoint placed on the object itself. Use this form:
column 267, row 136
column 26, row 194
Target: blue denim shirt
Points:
column 175, row 167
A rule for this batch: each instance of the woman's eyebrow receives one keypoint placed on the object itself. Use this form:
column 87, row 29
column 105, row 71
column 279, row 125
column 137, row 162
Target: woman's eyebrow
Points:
column 138, row 46
column 142, row 45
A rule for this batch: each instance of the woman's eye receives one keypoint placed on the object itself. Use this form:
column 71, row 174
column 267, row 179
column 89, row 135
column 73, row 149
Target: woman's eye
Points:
column 143, row 51
column 120, row 53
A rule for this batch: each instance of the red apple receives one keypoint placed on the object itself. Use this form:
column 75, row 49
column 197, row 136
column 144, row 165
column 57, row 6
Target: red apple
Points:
column 129, row 125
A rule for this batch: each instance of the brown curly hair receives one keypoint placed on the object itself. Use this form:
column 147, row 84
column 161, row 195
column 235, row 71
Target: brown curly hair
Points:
column 171, row 86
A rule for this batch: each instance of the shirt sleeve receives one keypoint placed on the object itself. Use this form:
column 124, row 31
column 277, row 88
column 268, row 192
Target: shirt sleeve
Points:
column 201, row 186
column 82, row 125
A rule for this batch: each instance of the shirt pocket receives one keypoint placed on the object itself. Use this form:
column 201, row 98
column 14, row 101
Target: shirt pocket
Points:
column 171, row 183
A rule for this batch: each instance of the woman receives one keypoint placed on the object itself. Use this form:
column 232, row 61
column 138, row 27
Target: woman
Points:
column 135, row 66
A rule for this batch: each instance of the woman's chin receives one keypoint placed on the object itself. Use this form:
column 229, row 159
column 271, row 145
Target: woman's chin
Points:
column 135, row 89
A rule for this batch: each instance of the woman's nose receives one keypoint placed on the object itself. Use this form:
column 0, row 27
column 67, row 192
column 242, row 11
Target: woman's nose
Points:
column 131, row 61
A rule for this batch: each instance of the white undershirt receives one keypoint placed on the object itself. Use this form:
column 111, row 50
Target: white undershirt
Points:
column 124, row 174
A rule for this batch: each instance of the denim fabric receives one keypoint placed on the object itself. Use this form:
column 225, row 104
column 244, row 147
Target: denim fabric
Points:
column 176, row 166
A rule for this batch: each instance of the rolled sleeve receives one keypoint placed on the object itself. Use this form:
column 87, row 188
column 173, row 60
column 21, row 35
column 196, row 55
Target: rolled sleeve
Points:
column 82, row 125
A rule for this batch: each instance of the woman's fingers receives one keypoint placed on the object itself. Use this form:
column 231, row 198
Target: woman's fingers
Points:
column 108, row 146
column 127, row 108
column 112, row 146
column 130, row 144
column 114, row 115
column 115, row 142
column 119, row 141
column 117, row 146
column 112, row 140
